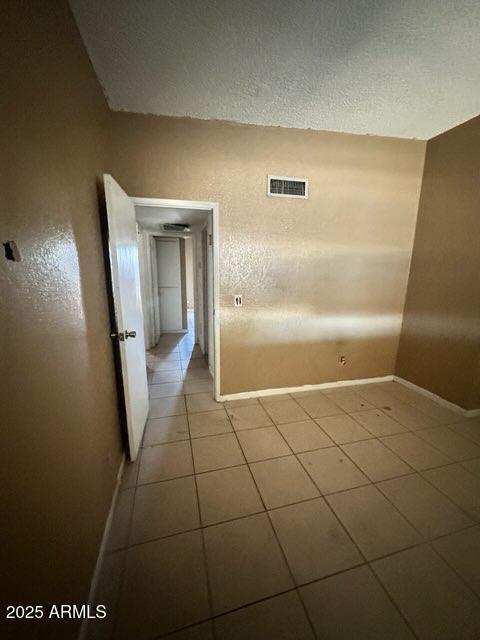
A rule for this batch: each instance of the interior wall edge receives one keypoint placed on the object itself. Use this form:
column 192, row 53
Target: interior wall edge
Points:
column 439, row 346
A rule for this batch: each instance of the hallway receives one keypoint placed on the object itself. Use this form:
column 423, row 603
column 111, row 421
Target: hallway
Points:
column 270, row 518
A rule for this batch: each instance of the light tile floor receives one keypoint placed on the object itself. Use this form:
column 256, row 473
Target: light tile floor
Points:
column 348, row 514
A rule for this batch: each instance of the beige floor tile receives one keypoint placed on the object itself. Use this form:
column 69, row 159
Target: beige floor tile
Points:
column 227, row 494
column 188, row 354
column 170, row 340
column 416, row 452
column 408, row 416
column 245, row 563
column 332, row 470
column 304, row 436
column 166, row 365
column 343, row 428
column 375, row 525
column 461, row 486
column 450, row 443
column 165, row 462
column 163, row 377
column 374, row 394
column 120, row 528
column 266, row 400
column 314, row 542
column 435, row 411
column 163, row 407
column 190, row 348
column 440, row 607
column 198, row 402
column 197, row 374
column 107, row 593
column 162, row 349
column 216, row 452
column 429, row 511
column 261, row 444
column 461, row 551
column 164, row 508
column 283, row 481
column 378, row 423
column 161, row 430
column 395, row 389
column 278, row 618
column 203, row 631
column 209, row 423
column 166, row 389
column 317, row 404
column 165, row 587
column 353, row 606
column 232, row 404
column 285, row 410
column 162, row 357
column 250, row 416
column 468, row 428
column 376, row 460
column 348, row 400
column 198, row 386
column 193, row 363
column 473, row 466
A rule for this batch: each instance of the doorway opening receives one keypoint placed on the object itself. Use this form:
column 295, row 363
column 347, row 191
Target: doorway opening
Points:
column 178, row 244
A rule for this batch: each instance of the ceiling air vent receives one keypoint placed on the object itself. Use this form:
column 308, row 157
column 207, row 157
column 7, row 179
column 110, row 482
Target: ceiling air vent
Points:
column 176, row 227
column 287, row 187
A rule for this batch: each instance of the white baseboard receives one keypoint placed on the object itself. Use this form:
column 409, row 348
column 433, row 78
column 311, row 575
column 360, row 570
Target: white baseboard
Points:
column 466, row 413
column 245, row 395
column 102, row 549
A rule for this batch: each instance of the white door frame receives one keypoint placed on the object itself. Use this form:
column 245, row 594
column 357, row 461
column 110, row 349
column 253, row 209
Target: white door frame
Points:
column 214, row 208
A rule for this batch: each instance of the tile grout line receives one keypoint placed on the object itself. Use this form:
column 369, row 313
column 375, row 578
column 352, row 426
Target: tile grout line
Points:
column 282, row 551
column 272, row 528
column 390, row 597
column 357, row 546
column 428, row 541
column 202, row 533
column 453, row 568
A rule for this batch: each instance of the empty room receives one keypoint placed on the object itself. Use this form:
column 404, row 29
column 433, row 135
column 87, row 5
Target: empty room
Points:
column 240, row 311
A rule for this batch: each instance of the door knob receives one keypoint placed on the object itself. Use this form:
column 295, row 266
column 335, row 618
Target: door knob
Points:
column 120, row 335
column 130, row 334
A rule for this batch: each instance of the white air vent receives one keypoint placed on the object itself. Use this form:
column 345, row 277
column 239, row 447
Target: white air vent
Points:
column 287, row 187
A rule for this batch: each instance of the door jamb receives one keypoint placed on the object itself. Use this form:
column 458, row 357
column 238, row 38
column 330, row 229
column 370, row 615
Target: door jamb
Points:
column 215, row 209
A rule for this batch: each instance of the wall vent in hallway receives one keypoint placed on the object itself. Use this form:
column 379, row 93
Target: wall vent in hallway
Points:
column 287, row 187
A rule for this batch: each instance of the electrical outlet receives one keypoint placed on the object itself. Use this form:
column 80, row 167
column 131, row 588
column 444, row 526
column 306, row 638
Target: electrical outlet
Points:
column 237, row 300
column 343, row 361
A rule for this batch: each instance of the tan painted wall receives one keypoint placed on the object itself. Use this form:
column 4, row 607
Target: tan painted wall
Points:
column 440, row 344
column 320, row 278
column 59, row 427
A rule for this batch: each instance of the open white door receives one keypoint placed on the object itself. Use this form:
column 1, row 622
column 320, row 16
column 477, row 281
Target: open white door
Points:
column 125, row 271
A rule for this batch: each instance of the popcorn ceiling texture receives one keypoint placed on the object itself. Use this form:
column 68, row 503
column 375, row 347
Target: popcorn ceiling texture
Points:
column 406, row 69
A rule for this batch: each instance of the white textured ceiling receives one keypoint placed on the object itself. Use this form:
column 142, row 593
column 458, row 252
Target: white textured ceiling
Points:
column 405, row 68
